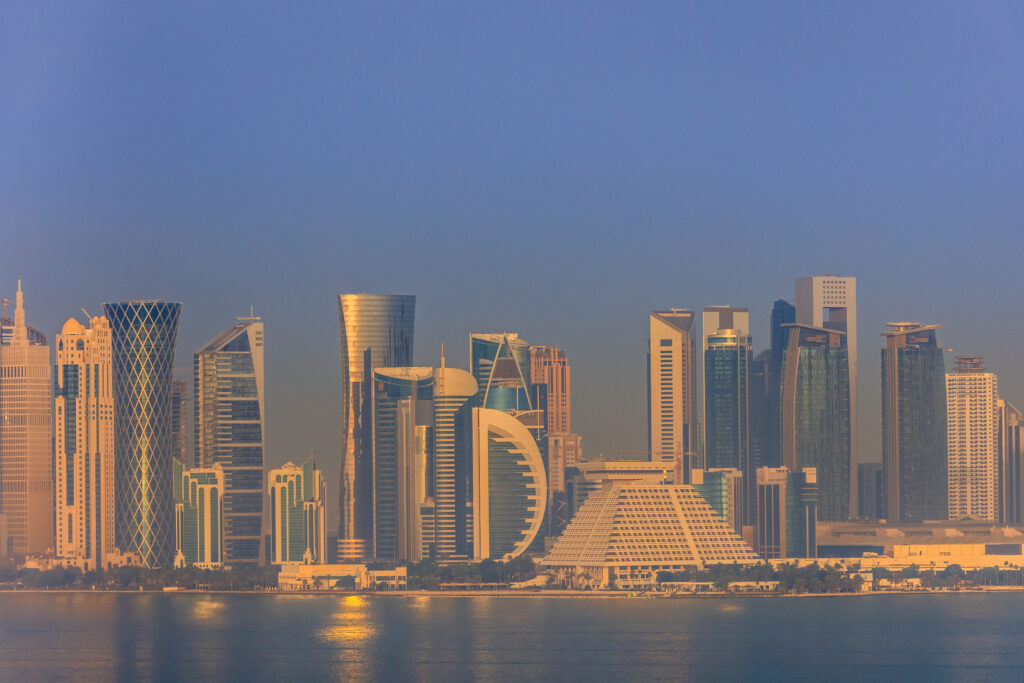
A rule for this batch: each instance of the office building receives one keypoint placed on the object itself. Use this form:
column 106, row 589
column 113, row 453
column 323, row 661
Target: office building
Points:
column 671, row 388
column 972, row 427
column 229, row 418
column 26, row 469
column 143, row 338
column 870, row 486
column 914, row 424
column 814, row 414
column 626, row 533
column 830, row 302
column 760, row 410
column 198, row 515
column 179, row 421
column 84, row 444
column 725, row 491
column 297, row 531
column 376, row 331
column 509, row 485
column 501, row 367
column 786, row 513
column 783, row 313
column 1011, row 469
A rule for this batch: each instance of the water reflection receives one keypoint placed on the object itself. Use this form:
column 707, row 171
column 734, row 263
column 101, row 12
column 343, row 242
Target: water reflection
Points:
column 208, row 609
column 349, row 626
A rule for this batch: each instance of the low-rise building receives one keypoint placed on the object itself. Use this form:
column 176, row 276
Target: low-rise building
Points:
column 297, row 576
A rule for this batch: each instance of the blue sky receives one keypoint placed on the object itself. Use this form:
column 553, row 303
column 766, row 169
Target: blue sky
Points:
column 556, row 169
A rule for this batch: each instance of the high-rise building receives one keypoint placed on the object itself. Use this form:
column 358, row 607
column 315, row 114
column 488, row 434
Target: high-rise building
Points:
column 229, row 419
column 198, row 515
column 783, row 313
column 914, row 424
column 870, row 483
column 84, row 444
column 376, row 331
column 671, row 388
column 724, row 491
column 814, row 414
column 501, row 366
column 179, row 421
column 972, row 424
column 1011, row 470
column 143, row 338
column 786, row 512
column 760, row 409
column 830, row 301
column 26, row 469
column 509, row 485
column 297, row 530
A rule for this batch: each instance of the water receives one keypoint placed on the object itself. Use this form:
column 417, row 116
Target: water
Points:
column 194, row 637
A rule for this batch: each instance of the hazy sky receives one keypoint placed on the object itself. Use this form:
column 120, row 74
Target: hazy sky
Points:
column 555, row 169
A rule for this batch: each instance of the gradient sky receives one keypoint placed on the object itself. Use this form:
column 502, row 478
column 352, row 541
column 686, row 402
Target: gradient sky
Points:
column 556, row 169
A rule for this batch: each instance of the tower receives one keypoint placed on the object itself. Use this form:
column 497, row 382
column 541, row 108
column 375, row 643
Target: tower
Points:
column 671, row 391
column 973, row 451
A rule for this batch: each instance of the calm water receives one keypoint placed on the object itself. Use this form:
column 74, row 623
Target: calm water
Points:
column 260, row 637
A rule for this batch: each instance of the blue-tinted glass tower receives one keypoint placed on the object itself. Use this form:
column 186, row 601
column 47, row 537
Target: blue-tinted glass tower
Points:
column 143, row 338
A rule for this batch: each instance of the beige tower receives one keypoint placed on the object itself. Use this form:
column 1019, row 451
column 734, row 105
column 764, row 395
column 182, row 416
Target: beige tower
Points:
column 671, row 384
column 26, row 477
column 84, row 444
column 973, row 449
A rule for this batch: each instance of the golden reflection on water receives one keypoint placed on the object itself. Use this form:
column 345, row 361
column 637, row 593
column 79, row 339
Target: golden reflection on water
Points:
column 350, row 625
column 208, row 609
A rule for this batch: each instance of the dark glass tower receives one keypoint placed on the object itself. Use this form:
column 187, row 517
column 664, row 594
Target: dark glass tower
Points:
column 727, row 404
column 914, row 425
column 814, row 415
column 783, row 313
column 143, row 338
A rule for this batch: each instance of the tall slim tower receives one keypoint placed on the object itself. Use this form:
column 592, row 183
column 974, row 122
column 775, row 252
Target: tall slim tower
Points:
column 1011, row 470
column 973, row 453
column 671, row 387
column 783, row 313
column 230, row 431
column 913, row 424
column 179, row 438
column 830, row 301
column 376, row 331
column 144, row 336
column 26, row 472
column 84, row 443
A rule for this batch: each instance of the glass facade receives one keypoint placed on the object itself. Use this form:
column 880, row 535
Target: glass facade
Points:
column 787, row 504
column 376, row 331
column 783, row 313
column 297, row 532
column 143, row 339
column 229, row 431
column 501, row 367
column 815, row 413
column 198, row 518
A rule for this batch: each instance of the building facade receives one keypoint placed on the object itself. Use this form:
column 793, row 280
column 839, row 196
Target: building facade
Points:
column 179, row 421
column 725, row 491
column 786, row 513
column 230, row 431
column 376, row 331
column 1011, row 464
column 297, row 531
column 26, row 468
column 727, row 360
column 198, row 515
column 671, row 388
column 144, row 334
column 914, row 437
column 783, row 313
column 84, row 444
column 814, row 413
column 972, row 452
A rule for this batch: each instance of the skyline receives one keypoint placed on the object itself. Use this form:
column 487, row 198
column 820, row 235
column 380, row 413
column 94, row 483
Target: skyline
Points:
column 606, row 163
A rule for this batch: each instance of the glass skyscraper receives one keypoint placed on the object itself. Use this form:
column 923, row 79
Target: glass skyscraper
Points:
column 229, row 424
column 914, row 424
column 297, row 531
column 198, row 515
column 815, row 413
column 783, row 313
column 143, row 338
column 501, row 366
column 376, row 331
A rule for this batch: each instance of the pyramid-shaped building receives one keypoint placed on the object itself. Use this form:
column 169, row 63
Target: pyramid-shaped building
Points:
column 625, row 534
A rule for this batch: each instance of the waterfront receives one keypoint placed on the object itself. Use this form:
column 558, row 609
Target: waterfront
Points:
column 148, row 636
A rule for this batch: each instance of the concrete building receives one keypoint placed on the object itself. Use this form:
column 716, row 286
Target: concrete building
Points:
column 295, row 576
column 1011, row 467
column 672, row 432
column 830, row 302
column 787, row 502
column 84, row 444
column 143, row 339
column 625, row 534
column 914, row 437
column 376, row 331
column 972, row 452
column 230, row 431
column 179, row 422
column 593, row 475
column 198, row 516
column 26, row 470
column 297, row 530
column 815, row 414
column 725, row 491
column 858, row 539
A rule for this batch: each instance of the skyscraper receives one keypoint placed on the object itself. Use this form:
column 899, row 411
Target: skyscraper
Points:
column 830, row 301
column 454, row 393
column 815, row 414
column 783, row 313
column 143, row 338
column 26, row 471
column 501, row 366
column 972, row 424
column 914, row 424
column 198, row 494
column 84, row 443
column 229, row 421
column 786, row 512
column 376, row 331
column 671, row 390
column 297, row 530
column 724, row 490
column 1011, row 469
column 179, row 421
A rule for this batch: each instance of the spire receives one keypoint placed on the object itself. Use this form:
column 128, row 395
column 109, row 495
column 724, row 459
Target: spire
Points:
column 20, row 333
